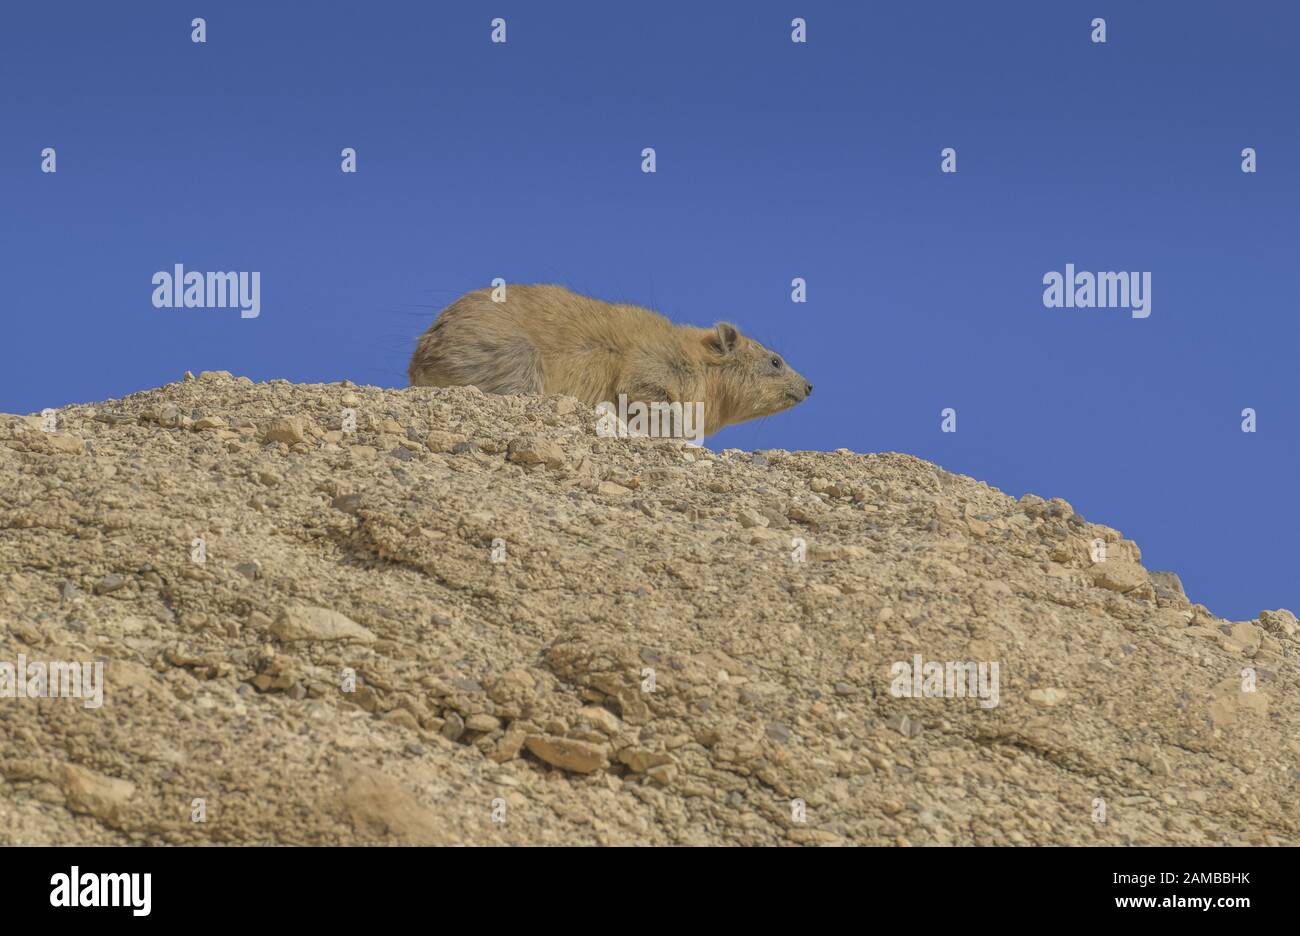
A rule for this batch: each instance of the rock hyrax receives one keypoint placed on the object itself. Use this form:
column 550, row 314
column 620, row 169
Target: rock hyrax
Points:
column 546, row 339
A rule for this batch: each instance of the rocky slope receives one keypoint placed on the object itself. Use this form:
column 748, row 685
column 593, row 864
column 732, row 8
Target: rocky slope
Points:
column 469, row 620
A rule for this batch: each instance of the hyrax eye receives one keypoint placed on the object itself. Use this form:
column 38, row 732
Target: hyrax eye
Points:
column 776, row 362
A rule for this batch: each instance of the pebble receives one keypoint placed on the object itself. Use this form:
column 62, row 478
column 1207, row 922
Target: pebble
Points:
column 349, row 503
column 531, row 450
column 1047, row 697
column 169, row 416
column 483, row 722
column 906, row 726
column 440, row 441
column 568, row 754
column 453, row 727
column 602, row 718
column 778, row 732
column 95, row 794
column 109, row 584
column 304, row 622
column 65, row 444
column 289, row 430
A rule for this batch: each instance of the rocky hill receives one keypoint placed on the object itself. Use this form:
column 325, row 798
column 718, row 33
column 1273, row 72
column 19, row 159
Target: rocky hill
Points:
column 467, row 619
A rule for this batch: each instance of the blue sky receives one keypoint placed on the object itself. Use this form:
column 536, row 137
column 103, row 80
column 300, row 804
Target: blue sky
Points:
column 775, row 160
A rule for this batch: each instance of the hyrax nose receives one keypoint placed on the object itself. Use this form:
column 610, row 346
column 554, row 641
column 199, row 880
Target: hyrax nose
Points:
column 807, row 389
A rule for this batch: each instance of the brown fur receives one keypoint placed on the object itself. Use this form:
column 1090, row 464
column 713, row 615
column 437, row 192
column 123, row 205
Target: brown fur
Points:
column 546, row 339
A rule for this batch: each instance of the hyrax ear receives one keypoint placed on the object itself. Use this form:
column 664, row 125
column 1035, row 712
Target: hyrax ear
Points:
column 724, row 338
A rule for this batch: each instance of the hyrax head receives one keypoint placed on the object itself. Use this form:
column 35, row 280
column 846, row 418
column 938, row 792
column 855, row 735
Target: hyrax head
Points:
column 758, row 380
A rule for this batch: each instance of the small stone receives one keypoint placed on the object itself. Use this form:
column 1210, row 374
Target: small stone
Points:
column 210, row 422
column 440, row 441
column 109, row 584
column 508, row 748
column 304, row 622
column 65, row 444
column 453, row 727
column 483, row 722
column 94, row 794
column 664, row 774
column 289, row 430
column 640, row 761
column 349, row 503
column 633, row 707
column 531, row 450
column 778, row 732
column 169, row 416
column 569, row 754
column 907, row 727
column 1281, row 622
column 1059, row 509
column 602, row 718
column 1119, row 575
column 1167, row 581
column 1047, row 697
